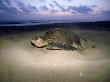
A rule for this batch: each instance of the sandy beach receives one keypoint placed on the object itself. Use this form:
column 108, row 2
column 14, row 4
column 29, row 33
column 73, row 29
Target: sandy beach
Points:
column 21, row 62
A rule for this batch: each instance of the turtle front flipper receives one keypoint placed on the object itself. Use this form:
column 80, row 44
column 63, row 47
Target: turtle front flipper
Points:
column 53, row 46
column 59, row 46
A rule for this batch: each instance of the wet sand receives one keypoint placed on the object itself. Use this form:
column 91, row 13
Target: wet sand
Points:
column 21, row 62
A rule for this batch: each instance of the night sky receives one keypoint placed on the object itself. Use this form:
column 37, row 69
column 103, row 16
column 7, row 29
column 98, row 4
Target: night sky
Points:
column 76, row 10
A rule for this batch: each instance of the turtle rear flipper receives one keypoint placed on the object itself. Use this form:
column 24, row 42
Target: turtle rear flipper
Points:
column 86, row 44
column 59, row 46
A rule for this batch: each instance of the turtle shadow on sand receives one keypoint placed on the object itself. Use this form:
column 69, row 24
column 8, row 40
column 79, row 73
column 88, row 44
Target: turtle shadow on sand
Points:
column 61, row 39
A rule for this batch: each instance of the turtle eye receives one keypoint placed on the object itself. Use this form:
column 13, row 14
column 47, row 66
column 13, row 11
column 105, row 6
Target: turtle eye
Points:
column 36, row 37
column 33, row 38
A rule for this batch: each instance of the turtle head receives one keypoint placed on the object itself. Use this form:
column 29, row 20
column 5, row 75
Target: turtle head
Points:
column 39, row 41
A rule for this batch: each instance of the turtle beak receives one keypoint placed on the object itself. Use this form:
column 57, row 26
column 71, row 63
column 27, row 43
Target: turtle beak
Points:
column 33, row 44
column 36, row 46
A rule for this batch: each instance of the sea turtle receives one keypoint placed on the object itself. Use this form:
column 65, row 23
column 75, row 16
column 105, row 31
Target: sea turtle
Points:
column 60, row 39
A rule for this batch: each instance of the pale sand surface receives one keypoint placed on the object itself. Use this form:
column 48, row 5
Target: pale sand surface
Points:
column 21, row 62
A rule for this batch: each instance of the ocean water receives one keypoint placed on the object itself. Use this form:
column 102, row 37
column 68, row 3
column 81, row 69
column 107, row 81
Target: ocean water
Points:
column 68, row 24
column 31, row 22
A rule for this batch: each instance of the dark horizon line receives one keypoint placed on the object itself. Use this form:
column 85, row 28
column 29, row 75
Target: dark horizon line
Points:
column 55, row 20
